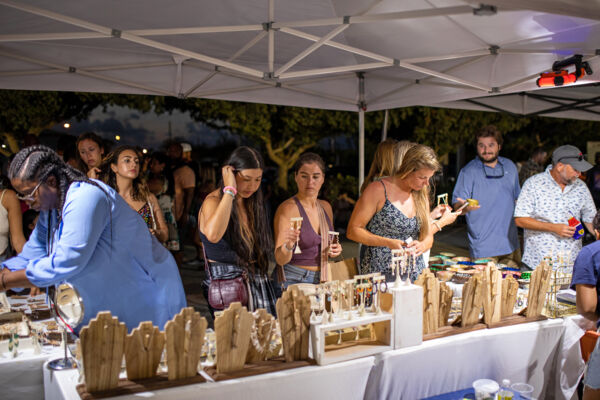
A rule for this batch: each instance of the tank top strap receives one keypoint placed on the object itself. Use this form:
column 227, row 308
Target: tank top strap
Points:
column 384, row 189
column 2, row 195
column 301, row 209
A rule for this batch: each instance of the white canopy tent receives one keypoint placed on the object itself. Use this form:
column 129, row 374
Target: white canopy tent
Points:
column 334, row 54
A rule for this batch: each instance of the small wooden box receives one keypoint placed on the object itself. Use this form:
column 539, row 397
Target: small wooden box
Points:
column 380, row 339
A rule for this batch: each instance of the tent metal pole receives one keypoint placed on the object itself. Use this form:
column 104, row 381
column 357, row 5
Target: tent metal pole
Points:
column 83, row 72
column 90, row 69
column 333, row 70
column 430, row 12
column 385, row 125
column 130, row 37
column 271, row 55
column 337, row 45
column 474, row 53
column 311, row 49
column 241, row 51
column 362, row 106
column 421, row 81
column 447, row 77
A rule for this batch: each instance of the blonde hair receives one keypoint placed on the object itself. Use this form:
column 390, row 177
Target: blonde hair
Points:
column 387, row 160
column 420, row 157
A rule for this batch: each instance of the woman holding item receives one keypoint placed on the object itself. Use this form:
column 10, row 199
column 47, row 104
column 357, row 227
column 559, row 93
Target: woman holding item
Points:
column 234, row 228
column 90, row 150
column 121, row 171
column 394, row 209
column 308, row 266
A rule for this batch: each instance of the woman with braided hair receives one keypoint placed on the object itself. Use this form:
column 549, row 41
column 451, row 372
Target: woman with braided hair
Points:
column 88, row 236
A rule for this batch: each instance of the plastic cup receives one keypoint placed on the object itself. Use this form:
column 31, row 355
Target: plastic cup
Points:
column 525, row 390
column 485, row 389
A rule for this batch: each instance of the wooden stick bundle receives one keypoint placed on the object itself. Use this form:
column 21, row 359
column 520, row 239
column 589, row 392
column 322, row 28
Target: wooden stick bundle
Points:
column 538, row 287
column 472, row 300
column 510, row 287
column 445, row 304
column 431, row 300
column 492, row 289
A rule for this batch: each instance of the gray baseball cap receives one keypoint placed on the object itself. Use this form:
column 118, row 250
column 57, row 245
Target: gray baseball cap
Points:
column 571, row 155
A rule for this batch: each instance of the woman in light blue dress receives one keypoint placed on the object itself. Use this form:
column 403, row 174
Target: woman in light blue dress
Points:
column 88, row 236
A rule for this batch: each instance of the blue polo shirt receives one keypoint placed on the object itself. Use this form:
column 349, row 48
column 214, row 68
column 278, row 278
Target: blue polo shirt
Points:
column 491, row 228
column 586, row 270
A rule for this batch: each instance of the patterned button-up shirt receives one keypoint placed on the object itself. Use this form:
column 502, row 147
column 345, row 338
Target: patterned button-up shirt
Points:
column 542, row 198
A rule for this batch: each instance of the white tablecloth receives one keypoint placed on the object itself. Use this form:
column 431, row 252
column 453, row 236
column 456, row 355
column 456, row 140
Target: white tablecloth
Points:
column 345, row 380
column 544, row 354
column 521, row 353
column 21, row 378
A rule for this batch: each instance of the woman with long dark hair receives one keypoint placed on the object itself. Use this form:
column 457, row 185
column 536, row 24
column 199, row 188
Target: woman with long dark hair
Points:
column 90, row 150
column 88, row 236
column 121, row 171
column 234, row 227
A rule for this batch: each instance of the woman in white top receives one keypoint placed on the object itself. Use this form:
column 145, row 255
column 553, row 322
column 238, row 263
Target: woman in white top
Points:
column 11, row 223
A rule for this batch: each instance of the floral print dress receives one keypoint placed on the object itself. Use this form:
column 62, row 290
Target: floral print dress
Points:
column 389, row 222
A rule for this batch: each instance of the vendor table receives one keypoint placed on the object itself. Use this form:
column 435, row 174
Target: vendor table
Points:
column 346, row 380
column 21, row 378
column 545, row 354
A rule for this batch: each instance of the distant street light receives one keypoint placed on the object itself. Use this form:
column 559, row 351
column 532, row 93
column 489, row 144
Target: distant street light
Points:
column 117, row 137
column 3, row 146
column 67, row 125
column 145, row 151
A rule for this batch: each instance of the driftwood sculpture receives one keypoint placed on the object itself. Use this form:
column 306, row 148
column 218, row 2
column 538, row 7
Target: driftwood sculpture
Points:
column 143, row 349
column 293, row 310
column 492, row 299
column 260, row 336
column 445, row 304
column 185, row 337
column 472, row 300
column 102, row 343
column 510, row 287
column 431, row 300
column 538, row 288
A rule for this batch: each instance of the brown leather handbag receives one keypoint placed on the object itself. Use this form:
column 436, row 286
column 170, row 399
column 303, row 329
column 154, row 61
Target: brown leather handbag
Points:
column 229, row 288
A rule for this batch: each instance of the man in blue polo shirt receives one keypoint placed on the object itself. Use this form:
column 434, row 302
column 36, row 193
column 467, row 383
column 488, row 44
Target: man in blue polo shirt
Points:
column 494, row 182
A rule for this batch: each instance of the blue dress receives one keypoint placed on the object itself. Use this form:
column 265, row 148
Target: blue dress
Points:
column 391, row 223
column 104, row 249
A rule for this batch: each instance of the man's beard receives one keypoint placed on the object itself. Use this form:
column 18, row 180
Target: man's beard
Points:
column 494, row 158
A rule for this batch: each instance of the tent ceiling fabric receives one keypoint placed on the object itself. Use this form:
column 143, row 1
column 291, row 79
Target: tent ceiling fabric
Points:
column 303, row 53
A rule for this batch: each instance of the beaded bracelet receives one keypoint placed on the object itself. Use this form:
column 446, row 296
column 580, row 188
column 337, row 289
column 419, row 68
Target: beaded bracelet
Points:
column 231, row 188
column 229, row 192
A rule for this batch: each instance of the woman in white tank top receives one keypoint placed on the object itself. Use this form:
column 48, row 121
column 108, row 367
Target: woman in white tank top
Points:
column 11, row 223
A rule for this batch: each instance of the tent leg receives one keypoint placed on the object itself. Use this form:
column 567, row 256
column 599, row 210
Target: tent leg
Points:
column 361, row 147
column 385, row 125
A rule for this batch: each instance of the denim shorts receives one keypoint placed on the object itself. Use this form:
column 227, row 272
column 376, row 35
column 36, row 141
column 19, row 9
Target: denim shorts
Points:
column 294, row 275
column 592, row 376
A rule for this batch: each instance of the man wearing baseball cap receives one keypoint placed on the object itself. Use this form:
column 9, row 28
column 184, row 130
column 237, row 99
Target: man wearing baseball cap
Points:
column 548, row 201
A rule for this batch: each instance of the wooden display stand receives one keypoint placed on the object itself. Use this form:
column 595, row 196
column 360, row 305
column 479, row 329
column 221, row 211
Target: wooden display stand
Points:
column 232, row 331
column 143, row 350
column 293, row 310
column 102, row 343
column 380, row 339
column 185, row 337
